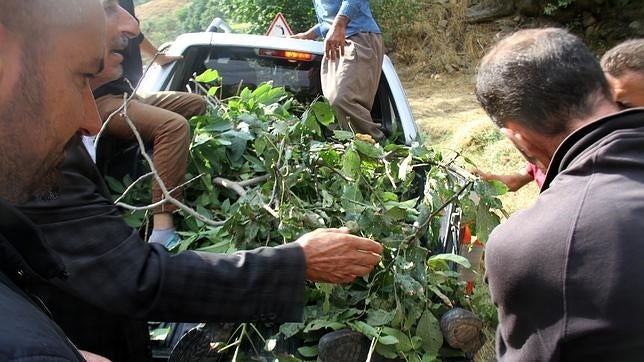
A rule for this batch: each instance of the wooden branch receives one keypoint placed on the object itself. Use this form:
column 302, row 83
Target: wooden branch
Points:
column 239, row 189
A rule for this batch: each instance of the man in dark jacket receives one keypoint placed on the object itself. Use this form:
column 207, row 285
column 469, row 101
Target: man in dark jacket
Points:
column 566, row 273
column 42, row 104
column 116, row 281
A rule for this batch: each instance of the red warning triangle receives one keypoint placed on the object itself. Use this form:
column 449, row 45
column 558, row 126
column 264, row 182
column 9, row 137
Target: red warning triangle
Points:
column 279, row 27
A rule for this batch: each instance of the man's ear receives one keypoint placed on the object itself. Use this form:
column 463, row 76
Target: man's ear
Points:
column 516, row 136
column 527, row 143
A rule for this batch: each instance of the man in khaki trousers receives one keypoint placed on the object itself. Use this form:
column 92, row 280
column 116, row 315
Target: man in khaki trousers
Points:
column 160, row 118
column 352, row 61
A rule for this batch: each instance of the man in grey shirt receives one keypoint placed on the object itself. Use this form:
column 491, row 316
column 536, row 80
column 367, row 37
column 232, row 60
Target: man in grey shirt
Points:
column 566, row 272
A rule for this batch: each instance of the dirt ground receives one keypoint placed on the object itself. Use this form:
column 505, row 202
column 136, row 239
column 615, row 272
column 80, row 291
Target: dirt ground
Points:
column 451, row 120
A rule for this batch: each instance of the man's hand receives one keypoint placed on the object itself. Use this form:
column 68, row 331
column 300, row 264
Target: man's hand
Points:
column 335, row 256
column 308, row 35
column 336, row 38
column 163, row 59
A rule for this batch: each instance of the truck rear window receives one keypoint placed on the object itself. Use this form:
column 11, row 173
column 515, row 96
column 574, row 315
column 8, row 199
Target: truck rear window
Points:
column 241, row 67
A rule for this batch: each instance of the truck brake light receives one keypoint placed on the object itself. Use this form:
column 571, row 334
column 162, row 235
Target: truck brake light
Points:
column 286, row 54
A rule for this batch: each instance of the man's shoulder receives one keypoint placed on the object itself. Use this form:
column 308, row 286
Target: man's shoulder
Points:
column 544, row 225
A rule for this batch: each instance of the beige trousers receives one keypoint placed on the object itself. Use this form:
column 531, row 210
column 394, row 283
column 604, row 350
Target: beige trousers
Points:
column 350, row 83
column 160, row 118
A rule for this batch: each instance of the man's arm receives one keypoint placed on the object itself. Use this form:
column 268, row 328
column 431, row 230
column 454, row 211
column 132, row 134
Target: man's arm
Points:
column 144, row 281
column 513, row 181
column 310, row 34
column 152, row 52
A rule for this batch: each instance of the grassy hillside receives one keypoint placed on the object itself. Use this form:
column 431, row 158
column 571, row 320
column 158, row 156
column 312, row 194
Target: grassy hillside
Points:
column 157, row 9
column 158, row 19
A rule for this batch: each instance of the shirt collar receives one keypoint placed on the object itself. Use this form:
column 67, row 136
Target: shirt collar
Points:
column 584, row 137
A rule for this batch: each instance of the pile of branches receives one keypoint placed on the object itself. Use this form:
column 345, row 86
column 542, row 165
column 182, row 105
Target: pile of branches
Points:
column 265, row 169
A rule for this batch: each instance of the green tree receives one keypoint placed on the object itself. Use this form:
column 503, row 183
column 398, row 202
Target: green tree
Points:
column 257, row 13
column 199, row 13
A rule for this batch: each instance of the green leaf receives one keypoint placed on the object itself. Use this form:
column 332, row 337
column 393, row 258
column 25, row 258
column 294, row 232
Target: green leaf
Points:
column 308, row 352
column 499, row 187
column 428, row 329
column 367, row 149
column 212, row 91
column 441, row 295
column 322, row 324
column 450, row 257
column 311, row 124
column 326, row 290
column 323, row 112
column 404, row 343
column 288, row 330
column 218, row 125
column 352, row 199
column 351, row 164
column 387, row 350
column 428, row 357
column 388, row 340
column 115, row 185
column 486, row 221
column 379, row 317
column 342, row 135
column 209, row 76
column 364, row 328
column 134, row 219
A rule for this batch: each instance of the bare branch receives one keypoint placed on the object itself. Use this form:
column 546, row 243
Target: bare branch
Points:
column 213, row 101
column 129, row 188
column 239, row 189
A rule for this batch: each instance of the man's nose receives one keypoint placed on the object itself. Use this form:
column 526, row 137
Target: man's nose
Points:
column 127, row 24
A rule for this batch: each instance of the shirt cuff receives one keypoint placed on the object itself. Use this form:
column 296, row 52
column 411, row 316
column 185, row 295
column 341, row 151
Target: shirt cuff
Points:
column 318, row 31
column 349, row 10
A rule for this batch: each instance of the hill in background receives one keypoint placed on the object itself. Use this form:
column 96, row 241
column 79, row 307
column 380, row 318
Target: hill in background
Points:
column 157, row 9
column 159, row 19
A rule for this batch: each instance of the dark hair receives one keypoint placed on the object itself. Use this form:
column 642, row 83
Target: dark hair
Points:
column 628, row 55
column 541, row 79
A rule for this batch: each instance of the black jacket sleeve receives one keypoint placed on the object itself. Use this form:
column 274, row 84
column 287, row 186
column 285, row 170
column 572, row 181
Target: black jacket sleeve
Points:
column 111, row 267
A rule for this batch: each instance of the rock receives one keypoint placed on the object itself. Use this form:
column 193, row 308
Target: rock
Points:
column 443, row 23
column 487, row 10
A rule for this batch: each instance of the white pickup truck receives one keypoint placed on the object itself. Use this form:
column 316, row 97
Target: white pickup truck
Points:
column 244, row 60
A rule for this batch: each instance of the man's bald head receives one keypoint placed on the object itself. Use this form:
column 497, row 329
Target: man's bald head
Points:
column 542, row 79
column 27, row 17
column 34, row 21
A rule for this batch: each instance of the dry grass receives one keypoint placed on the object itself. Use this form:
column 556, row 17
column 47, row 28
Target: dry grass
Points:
column 444, row 42
column 156, row 9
